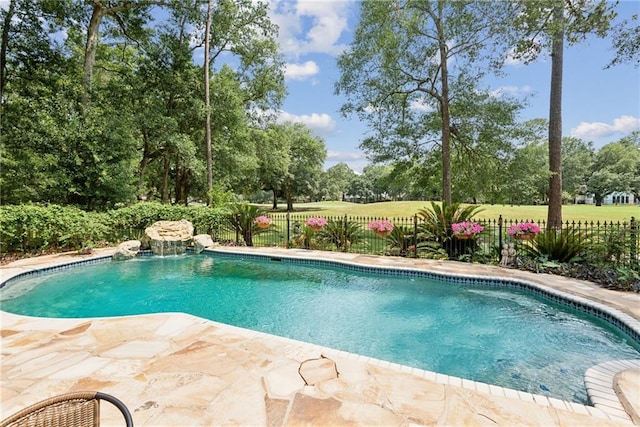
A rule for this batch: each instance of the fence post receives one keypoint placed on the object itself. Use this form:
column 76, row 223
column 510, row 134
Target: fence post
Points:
column 288, row 229
column 237, row 229
column 633, row 249
column 415, row 235
column 500, row 233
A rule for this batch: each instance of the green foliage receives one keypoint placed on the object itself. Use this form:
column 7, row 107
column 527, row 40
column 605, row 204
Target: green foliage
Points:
column 616, row 167
column 396, row 76
column 334, row 182
column 99, row 123
column 436, row 225
column 305, row 237
column 220, row 196
column 142, row 215
column 400, row 240
column 34, row 228
column 552, row 245
column 342, row 233
column 610, row 244
column 431, row 250
column 241, row 220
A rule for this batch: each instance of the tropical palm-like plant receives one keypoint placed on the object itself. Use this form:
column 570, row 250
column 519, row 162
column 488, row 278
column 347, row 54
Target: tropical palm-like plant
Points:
column 557, row 245
column 341, row 233
column 436, row 223
column 304, row 238
column 400, row 240
column 241, row 220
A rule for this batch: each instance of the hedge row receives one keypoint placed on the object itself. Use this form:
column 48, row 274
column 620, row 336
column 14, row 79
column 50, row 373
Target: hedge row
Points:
column 34, row 228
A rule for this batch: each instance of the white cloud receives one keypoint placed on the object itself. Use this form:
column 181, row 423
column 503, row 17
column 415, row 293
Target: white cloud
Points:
column 421, row 105
column 322, row 124
column 310, row 26
column 512, row 60
column 511, row 90
column 342, row 156
column 595, row 130
column 301, row 71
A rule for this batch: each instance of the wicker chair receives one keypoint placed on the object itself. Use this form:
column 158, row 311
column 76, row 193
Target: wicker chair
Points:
column 77, row 409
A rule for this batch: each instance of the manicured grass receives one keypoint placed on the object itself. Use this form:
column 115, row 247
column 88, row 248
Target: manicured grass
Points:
column 406, row 209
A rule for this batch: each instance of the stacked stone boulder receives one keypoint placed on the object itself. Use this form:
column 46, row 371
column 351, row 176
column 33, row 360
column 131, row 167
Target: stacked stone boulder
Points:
column 168, row 237
column 201, row 242
column 127, row 250
column 165, row 238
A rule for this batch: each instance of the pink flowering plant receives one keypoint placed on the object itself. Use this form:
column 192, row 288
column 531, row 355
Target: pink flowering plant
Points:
column 316, row 222
column 262, row 221
column 523, row 228
column 381, row 226
column 466, row 228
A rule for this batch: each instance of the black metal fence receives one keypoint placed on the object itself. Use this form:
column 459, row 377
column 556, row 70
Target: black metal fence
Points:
column 601, row 242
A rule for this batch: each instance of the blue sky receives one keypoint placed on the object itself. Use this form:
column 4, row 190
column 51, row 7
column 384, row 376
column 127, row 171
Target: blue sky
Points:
column 598, row 105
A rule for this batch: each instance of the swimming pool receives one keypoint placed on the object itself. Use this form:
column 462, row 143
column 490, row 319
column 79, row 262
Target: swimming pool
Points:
column 485, row 333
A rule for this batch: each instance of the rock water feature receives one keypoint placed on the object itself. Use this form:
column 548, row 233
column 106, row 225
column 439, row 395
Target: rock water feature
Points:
column 169, row 237
column 165, row 238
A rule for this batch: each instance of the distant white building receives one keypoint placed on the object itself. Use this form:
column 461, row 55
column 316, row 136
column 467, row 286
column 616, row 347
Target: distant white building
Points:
column 615, row 198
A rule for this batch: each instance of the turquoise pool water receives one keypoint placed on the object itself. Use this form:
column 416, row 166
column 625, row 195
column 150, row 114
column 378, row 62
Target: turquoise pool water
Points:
column 490, row 334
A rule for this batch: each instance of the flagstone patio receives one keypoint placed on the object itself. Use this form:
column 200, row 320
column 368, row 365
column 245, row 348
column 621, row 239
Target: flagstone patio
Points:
column 176, row 369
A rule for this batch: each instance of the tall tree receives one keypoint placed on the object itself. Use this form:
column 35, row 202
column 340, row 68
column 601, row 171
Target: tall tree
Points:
column 128, row 17
column 577, row 157
column 335, row 181
column 544, row 27
column 626, row 42
column 207, row 99
column 53, row 150
column 399, row 72
column 307, row 154
column 4, row 41
column 273, row 159
column 616, row 167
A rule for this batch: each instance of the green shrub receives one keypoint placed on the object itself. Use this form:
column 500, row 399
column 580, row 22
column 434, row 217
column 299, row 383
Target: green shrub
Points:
column 400, row 240
column 436, row 225
column 32, row 228
column 241, row 220
column 142, row 215
column 208, row 220
column 610, row 246
column 342, row 233
column 552, row 245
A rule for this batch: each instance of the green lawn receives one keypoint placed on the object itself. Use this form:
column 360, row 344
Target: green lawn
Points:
column 405, row 209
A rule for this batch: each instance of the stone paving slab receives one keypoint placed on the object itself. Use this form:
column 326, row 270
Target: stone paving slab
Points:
column 177, row 369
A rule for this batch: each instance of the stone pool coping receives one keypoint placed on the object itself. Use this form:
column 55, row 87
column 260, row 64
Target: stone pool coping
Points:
column 159, row 363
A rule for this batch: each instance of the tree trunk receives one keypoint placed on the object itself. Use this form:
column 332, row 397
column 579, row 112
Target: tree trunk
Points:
column 182, row 185
column 275, row 200
column 3, row 48
column 289, row 197
column 142, row 167
column 207, row 101
column 599, row 199
column 165, row 181
column 554, row 212
column 90, row 48
column 445, row 114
